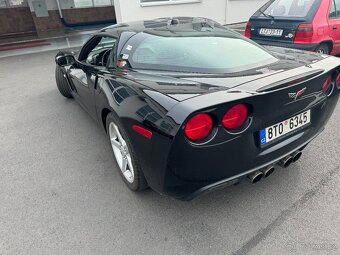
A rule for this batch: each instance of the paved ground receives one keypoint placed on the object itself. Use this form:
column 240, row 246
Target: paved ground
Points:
column 45, row 44
column 60, row 192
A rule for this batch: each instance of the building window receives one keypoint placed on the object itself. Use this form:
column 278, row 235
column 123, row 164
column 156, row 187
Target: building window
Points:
column 16, row 2
column 166, row 2
column 102, row 2
column 13, row 3
column 147, row 1
column 91, row 3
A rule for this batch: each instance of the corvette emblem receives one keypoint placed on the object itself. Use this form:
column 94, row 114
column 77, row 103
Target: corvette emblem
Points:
column 296, row 95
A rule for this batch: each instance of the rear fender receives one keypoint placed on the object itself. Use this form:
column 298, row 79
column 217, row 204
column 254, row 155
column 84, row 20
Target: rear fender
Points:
column 138, row 105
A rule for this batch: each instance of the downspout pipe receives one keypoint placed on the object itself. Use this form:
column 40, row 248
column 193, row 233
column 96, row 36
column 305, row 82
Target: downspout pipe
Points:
column 59, row 9
column 225, row 11
column 66, row 24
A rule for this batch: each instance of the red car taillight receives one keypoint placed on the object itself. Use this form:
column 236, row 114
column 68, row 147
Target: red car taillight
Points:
column 235, row 117
column 327, row 85
column 304, row 33
column 337, row 81
column 247, row 31
column 199, row 127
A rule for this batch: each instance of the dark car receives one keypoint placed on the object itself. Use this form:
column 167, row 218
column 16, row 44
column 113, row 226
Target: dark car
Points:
column 312, row 25
column 190, row 106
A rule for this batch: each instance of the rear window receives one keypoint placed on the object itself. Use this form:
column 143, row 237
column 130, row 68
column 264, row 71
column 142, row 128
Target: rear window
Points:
column 205, row 54
column 288, row 8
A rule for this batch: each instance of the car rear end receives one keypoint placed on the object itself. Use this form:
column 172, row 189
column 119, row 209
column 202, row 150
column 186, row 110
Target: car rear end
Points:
column 227, row 136
column 239, row 109
column 284, row 23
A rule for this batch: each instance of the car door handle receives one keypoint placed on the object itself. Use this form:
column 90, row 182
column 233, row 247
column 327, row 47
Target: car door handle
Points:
column 335, row 27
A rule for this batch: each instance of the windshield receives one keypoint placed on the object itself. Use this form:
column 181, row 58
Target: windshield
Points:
column 205, row 54
column 288, row 8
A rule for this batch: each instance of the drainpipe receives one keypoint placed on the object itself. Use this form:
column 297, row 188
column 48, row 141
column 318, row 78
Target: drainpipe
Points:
column 66, row 24
column 59, row 9
column 225, row 11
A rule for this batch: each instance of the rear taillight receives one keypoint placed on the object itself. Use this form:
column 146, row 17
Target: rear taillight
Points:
column 235, row 117
column 337, row 81
column 327, row 85
column 199, row 127
column 304, row 33
column 247, row 31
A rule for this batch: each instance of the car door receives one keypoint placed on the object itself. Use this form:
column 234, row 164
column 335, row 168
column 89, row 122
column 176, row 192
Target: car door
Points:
column 334, row 25
column 84, row 74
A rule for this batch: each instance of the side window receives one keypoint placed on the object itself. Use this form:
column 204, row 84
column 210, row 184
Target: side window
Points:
column 332, row 12
column 97, row 51
column 337, row 8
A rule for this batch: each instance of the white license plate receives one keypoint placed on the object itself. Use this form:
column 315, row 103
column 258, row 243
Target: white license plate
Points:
column 284, row 127
column 271, row 32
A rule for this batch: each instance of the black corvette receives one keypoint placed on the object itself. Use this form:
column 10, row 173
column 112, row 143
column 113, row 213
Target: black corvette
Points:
column 190, row 106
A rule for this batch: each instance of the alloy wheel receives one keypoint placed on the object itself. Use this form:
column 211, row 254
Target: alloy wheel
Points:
column 321, row 51
column 121, row 152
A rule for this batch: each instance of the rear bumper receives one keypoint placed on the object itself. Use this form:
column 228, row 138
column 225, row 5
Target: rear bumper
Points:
column 193, row 170
column 188, row 189
column 306, row 47
column 237, row 178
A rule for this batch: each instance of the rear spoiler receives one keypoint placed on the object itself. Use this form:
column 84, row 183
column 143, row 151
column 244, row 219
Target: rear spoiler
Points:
column 291, row 81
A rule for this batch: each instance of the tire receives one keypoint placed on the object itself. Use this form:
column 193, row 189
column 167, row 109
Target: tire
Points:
column 138, row 182
column 62, row 83
column 323, row 48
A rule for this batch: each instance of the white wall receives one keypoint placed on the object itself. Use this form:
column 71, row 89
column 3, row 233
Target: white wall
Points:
column 223, row 11
column 131, row 10
column 241, row 10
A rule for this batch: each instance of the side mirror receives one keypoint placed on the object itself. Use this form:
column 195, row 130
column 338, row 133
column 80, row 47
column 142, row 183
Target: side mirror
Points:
column 65, row 59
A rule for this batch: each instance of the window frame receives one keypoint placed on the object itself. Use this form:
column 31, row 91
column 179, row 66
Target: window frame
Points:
column 309, row 16
column 8, row 4
column 88, row 47
column 168, row 2
column 93, row 5
column 337, row 10
column 330, row 8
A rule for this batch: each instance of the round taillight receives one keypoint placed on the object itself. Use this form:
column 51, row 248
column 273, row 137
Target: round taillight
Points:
column 326, row 85
column 235, row 117
column 337, row 81
column 199, row 127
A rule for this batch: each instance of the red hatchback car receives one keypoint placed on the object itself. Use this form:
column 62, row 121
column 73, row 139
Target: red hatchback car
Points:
column 312, row 25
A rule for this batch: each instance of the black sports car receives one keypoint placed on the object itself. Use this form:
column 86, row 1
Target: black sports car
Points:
column 190, row 106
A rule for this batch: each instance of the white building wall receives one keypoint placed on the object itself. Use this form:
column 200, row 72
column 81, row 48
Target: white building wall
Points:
column 223, row 11
column 241, row 10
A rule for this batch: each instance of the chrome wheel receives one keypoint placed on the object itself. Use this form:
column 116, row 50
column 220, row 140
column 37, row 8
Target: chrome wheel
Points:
column 321, row 51
column 121, row 152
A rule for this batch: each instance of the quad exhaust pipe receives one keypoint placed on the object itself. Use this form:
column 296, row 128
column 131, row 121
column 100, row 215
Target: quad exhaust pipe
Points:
column 296, row 155
column 265, row 172
column 258, row 175
column 285, row 162
column 255, row 176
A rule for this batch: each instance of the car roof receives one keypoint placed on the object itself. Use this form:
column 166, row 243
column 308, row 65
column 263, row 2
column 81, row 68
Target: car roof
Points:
column 163, row 26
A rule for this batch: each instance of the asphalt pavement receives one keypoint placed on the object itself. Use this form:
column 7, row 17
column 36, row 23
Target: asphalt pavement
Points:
column 61, row 193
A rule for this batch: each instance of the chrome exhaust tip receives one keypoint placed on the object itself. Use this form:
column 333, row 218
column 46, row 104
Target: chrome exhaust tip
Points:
column 296, row 155
column 285, row 162
column 255, row 176
column 267, row 171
